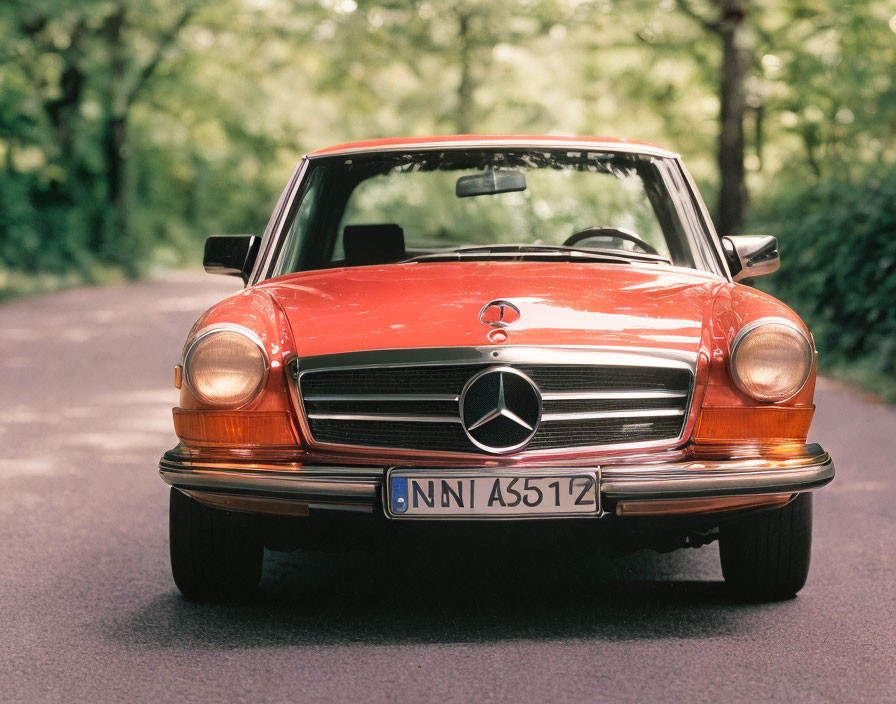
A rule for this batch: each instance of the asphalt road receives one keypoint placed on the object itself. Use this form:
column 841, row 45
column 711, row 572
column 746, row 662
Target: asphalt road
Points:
column 88, row 610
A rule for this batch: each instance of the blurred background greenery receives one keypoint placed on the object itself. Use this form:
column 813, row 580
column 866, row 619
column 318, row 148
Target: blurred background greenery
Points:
column 129, row 130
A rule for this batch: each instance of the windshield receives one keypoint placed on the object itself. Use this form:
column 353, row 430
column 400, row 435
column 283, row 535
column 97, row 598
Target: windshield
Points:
column 462, row 204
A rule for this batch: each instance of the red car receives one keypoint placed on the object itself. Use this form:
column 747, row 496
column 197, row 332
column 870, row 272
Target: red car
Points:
column 463, row 330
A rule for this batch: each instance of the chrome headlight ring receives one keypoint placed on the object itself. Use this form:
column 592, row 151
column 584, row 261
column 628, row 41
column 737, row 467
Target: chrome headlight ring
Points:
column 770, row 380
column 230, row 385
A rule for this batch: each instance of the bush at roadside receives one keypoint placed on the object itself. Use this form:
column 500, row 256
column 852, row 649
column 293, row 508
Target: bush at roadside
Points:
column 838, row 251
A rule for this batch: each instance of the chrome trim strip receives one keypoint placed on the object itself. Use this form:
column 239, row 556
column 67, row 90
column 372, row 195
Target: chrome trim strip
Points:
column 594, row 415
column 728, row 478
column 521, row 354
column 611, row 395
column 316, row 484
column 382, row 397
column 396, row 417
column 570, row 396
column 546, row 418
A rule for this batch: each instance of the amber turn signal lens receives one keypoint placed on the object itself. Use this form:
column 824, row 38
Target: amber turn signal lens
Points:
column 772, row 424
column 233, row 428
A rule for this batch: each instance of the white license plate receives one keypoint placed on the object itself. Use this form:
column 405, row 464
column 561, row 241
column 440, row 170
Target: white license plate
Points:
column 499, row 493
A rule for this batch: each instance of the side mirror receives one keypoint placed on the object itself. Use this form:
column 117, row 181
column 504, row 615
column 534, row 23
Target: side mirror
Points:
column 231, row 255
column 751, row 255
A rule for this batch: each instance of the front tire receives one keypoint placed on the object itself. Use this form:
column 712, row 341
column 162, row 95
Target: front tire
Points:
column 215, row 555
column 765, row 556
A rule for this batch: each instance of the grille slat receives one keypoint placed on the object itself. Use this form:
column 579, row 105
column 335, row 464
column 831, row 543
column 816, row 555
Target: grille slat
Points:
column 448, row 437
column 607, row 432
column 621, row 404
column 550, row 378
column 417, row 407
column 390, row 380
column 423, row 408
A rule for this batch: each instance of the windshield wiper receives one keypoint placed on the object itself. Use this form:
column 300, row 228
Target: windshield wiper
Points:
column 521, row 252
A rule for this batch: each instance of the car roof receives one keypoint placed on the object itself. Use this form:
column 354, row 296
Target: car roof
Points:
column 475, row 140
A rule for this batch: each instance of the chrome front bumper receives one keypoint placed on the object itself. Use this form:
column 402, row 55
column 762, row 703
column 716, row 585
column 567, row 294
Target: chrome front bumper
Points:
column 359, row 488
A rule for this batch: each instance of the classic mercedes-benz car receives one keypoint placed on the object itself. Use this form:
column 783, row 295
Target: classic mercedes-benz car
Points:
column 441, row 334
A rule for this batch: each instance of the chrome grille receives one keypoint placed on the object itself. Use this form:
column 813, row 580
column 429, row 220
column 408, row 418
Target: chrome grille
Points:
column 414, row 405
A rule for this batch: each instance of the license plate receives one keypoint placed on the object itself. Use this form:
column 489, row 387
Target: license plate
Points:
column 495, row 494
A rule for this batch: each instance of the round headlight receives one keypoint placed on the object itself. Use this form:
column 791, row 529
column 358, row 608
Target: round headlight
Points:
column 771, row 360
column 225, row 367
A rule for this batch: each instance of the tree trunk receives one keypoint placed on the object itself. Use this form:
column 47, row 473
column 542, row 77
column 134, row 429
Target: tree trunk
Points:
column 810, row 140
column 732, row 191
column 466, row 86
column 63, row 110
column 115, row 146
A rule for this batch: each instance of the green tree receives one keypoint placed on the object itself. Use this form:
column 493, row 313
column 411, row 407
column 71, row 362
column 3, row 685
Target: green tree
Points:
column 79, row 68
column 129, row 130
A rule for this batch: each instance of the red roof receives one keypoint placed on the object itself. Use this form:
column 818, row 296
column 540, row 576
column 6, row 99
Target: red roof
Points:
column 490, row 140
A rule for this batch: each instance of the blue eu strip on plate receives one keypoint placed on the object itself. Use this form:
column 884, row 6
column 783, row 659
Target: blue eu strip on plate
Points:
column 399, row 494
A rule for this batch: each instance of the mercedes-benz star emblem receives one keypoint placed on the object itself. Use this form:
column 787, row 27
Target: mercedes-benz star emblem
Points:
column 500, row 408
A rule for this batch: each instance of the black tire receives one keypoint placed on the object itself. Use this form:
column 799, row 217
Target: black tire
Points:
column 215, row 555
column 765, row 556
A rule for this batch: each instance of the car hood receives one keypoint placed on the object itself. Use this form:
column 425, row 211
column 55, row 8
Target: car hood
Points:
column 425, row 304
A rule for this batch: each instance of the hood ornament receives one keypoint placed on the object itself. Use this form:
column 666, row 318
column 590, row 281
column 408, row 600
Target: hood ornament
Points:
column 499, row 314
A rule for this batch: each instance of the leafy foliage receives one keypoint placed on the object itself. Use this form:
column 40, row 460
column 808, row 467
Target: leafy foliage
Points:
column 119, row 147
column 131, row 129
column 838, row 254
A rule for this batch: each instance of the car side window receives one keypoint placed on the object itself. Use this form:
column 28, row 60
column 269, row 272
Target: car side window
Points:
column 296, row 239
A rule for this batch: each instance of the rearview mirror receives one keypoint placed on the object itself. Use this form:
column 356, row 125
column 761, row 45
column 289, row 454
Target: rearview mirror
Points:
column 751, row 255
column 492, row 181
column 231, row 255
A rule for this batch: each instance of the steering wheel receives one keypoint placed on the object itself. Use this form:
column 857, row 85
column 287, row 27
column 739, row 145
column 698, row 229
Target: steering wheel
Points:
column 614, row 232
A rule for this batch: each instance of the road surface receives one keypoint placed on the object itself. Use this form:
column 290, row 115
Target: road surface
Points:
column 88, row 610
